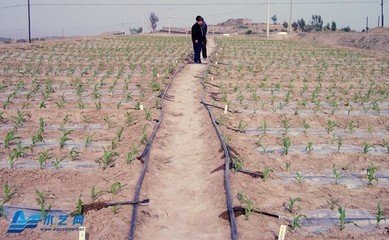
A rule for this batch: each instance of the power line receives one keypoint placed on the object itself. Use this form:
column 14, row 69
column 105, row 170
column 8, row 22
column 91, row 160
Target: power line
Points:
column 190, row 4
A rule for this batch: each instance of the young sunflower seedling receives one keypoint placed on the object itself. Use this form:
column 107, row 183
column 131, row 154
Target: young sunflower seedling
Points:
column 339, row 143
column 144, row 135
column 287, row 166
column 148, row 114
column 247, row 204
column 129, row 119
column 351, row 127
column 10, row 137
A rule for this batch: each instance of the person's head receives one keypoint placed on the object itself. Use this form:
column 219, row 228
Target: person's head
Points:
column 199, row 20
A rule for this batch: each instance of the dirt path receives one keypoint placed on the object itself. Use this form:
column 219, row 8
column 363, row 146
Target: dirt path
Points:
column 186, row 197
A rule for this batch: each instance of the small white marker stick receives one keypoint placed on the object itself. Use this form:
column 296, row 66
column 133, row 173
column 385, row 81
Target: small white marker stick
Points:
column 141, row 107
column 81, row 233
column 282, row 233
column 158, row 75
column 226, row 109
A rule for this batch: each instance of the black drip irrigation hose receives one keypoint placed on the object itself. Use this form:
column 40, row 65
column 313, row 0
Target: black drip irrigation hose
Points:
column 144, row 158
column 227, row 184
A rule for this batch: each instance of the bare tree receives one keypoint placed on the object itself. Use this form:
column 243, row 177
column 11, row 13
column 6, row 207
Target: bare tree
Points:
column 153, row 21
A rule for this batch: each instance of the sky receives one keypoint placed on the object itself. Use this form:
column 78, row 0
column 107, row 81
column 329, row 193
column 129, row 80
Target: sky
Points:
column 94, row 19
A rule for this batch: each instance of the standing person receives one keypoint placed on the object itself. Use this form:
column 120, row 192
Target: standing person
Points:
column 204, row 48
column 197, row 38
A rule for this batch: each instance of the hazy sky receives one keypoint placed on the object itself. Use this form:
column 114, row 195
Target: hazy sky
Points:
column 87, row 20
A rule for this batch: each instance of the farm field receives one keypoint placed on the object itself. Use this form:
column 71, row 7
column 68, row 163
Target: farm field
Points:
column 75, row 116
column 312, row 121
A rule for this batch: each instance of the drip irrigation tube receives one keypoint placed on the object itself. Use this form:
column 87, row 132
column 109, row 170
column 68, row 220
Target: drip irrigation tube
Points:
column 144, row 158
column 227, row 184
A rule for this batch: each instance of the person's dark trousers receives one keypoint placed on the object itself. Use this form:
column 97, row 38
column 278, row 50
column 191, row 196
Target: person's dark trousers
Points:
column 197, row 50
column 204, row 49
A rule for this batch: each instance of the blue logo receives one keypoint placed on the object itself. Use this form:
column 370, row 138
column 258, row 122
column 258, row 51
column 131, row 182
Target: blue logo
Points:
column 50, row 222
column 19, row 222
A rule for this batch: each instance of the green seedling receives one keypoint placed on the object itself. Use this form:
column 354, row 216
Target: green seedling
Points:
column 41, row 200
column 367, row 147
column 237, row 164
column 296, row 221
column 144, row 135
column 2, row 211
column 43, row 157
column 74, row 154
column 88, row 140
column 333, row 202
column 287, row 166
column 290, row 207
column 37, row 138
column 115, row 209
column 108, row 122
column 107, row 159
column 129, row 119
column 79, row 206
column 94, row 194
column 309, row 147
column 264, row 126
column 57, row 163
column 306, row 126
column 379, row 216
column 299, row 178
column 339, row 142
column 116, row 187
column 65, row 138
column 242, row 126
column 286, row 144
column 20, row 118
column 119, row 134
column 247, row 204
column 148, row 114
column 8, row 193
column 351, row 127
column 371, row 174
column 10, row 137
column 133, row 154
column 336, row 174
column 342, row 218
column 330, row 126
column 266, row 173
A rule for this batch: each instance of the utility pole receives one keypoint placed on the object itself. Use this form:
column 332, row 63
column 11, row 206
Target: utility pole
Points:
column 268, row 19
column 29, row 22
column 382, row 13
column 290, row 18
column 378, row 21
column 367, row 24
column 169, row 23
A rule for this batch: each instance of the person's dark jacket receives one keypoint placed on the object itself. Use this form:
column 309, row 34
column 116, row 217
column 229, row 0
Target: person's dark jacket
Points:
column 197, row 33
column 205, row 30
